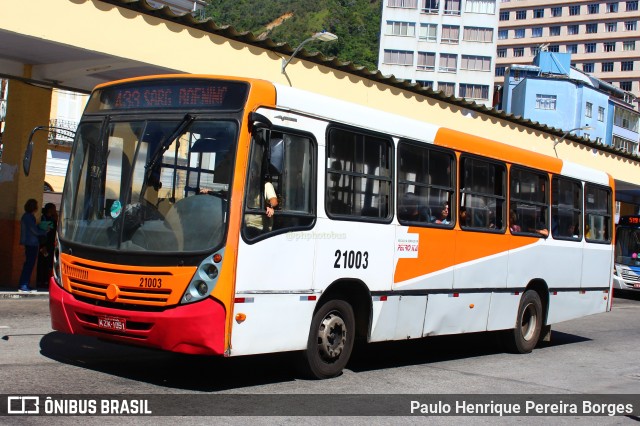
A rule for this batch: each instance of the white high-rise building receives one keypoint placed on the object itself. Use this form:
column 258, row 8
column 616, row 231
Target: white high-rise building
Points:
column 447, row 45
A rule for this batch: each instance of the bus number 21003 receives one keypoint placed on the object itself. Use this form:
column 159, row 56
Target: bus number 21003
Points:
column 351, row 259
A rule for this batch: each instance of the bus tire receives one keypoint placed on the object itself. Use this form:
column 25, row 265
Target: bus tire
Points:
column 524, row 337
column 330, row 342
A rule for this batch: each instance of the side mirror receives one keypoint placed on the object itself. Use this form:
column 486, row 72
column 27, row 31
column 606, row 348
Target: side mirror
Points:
column 28, row 153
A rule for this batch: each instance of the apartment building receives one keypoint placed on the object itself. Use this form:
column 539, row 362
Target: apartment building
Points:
column 601, row 36
column 446, row 45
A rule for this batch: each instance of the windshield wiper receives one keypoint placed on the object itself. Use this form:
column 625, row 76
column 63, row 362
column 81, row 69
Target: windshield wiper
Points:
column 164, row 146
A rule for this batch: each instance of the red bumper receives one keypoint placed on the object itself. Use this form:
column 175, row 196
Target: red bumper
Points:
column 196, row 328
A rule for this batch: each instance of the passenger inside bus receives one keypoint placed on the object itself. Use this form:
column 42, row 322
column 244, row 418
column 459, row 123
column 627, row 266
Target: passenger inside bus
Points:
column 411, row 211
column 443, row 216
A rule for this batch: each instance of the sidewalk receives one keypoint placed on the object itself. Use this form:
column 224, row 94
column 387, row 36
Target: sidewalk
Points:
column 13, row 293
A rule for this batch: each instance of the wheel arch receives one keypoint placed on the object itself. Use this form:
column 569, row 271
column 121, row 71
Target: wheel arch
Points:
column 357, row 294
column 540, row 286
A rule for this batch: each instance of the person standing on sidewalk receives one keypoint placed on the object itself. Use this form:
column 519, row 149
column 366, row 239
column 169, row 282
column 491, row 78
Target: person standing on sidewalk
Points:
column 48, row 221
column 30, row 235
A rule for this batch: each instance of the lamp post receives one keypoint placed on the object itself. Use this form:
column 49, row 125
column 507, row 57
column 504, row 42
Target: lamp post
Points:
column 322, row 36
column 587, row 127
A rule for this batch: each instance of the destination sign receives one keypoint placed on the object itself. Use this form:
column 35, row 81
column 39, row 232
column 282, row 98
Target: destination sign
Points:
column 170, row 94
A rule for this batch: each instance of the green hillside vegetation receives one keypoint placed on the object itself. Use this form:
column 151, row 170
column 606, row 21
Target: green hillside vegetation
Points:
column 355, row 22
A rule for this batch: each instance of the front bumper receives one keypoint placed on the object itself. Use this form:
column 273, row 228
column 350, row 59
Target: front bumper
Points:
column 196, row 328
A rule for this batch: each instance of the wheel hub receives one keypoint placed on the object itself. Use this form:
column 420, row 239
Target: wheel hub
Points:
column 332, row 337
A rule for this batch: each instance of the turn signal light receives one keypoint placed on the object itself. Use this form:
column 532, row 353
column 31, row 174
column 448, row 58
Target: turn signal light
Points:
column 241, row 317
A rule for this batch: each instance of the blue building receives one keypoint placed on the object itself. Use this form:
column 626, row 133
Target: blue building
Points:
column 551, row 92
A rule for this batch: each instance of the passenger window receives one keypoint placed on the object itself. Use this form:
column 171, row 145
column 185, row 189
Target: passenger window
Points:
column 566, row 209
column 359, row 175
column 528, row 203
column 285, row 172
column 425, row 185
column 482, row 194
column 597, row 213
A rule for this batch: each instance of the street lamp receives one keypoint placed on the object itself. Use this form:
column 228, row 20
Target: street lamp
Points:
column 322, row 36
column 587, row 127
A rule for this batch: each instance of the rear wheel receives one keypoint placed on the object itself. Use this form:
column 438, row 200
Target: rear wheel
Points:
column 330, row 342
column 524, row 337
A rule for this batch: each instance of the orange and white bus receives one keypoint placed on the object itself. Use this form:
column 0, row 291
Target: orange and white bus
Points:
column 381, row 227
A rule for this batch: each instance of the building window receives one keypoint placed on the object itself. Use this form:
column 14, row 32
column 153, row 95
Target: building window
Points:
column 587, row 67
column 504, row 15
column 574, row 10
column 448, row 89
column 600, row 113
column 521, row 14
column 536, row 32
column 426, row 61
column 626, row 119
column 452, row 7
column 407, row 29
column 518, row 33
column 534, row 50
column 503, row 34
column 484, row 35
column 450, row 34
column 481, row 6
column 589, row 48
column 629, row 45
column 626, row 85
column 475, row 63
column 625, row 145
column 631, row 25
column 554, row 31
column 556, row 12
column 588, row 110
column 610, row 46
column 473, row 91
column 448, row 62
column 398, row 57
column 612, row 7
column 502, row 52
column 607, row 67
column 572, row 48
column 612, row 27
column 546, row 102
column 592, row 28
column 430, row 6
column 554, row 48
column 538, row 13
column 626, row 65
column 425, row 84
column 428, row 32
column 593, row 8
column 632, row 5
column 518, row 52
column 573, row 29
column 405, row 4
column 500, row 71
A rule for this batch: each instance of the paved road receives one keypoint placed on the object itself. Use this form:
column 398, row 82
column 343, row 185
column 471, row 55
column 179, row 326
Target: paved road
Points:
column 597, row 354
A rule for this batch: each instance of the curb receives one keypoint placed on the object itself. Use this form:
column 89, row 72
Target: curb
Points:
column 42, row 294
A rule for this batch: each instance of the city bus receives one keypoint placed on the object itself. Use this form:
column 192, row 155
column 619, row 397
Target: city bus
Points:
column 233, row 216
column 626, row 274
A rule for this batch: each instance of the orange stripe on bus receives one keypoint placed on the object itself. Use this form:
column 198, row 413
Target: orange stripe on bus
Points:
column 460, row 141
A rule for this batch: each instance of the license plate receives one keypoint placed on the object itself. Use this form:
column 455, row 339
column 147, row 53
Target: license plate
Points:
column 112, row 323
column 636, row 285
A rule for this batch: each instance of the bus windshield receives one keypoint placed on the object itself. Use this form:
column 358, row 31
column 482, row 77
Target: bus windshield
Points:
column 628, row 246
column 153, row 185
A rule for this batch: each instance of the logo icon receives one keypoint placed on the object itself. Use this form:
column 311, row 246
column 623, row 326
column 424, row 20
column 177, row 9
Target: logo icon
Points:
column 23, row 405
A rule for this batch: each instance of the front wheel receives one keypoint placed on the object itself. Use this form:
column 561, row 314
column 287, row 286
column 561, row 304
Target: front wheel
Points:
column 330, row 342
column 524, row 337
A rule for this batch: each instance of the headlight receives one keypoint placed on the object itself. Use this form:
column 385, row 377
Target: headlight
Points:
column 205, row 278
